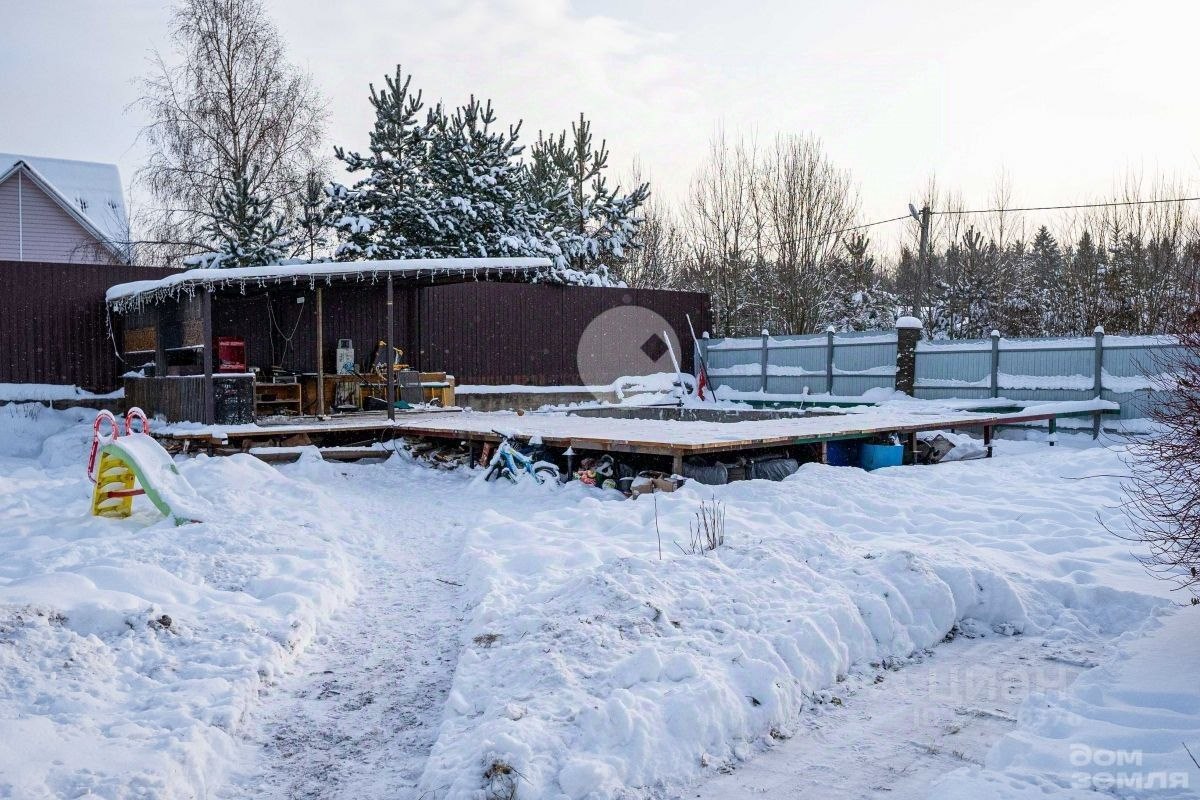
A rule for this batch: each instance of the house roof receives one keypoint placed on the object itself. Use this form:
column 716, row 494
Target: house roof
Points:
column 124, row 296
column 91, row 191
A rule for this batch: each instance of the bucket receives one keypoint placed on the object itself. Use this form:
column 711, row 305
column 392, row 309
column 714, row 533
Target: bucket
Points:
column 877, row 456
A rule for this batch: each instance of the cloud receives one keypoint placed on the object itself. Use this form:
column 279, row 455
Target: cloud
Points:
column 538, row 60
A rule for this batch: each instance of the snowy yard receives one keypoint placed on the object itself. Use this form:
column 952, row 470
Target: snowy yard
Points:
column 963, row 630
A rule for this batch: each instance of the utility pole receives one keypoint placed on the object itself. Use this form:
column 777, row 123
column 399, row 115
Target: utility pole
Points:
column 923, row 267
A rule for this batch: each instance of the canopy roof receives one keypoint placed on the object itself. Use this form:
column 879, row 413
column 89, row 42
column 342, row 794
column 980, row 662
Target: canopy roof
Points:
column 125, row 296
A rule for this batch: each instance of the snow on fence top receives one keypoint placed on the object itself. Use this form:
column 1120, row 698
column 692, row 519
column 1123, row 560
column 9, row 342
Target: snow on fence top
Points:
column 125, row 296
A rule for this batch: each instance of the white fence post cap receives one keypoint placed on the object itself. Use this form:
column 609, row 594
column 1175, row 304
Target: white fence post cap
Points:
column 909, row 322
column 1099, row 329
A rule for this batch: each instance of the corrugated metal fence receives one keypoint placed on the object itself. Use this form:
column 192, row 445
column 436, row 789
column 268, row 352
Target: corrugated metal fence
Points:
column 53, row 324
column 1118, row 368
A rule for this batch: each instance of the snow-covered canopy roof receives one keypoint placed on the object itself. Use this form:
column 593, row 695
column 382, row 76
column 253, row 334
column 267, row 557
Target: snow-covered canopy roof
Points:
column 89, row 190
column 125, row 296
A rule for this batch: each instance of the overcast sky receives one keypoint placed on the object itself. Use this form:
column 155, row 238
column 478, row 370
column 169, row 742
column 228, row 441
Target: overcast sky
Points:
column 1064, row 96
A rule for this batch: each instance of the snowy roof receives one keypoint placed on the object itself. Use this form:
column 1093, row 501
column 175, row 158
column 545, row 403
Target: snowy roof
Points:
column 128, row 295
column 89, row 189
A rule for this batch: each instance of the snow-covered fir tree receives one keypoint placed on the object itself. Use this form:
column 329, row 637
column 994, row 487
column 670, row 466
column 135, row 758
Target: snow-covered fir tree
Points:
column 391, row 211
column 856, row 300
column 481, row 187
column 1045, row 267
column 591, row 224
column 963, row 304
column 243, row 230
column 1085, row 280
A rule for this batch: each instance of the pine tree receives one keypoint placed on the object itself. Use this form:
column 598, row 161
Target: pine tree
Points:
column 481, row 188
column 391, row 212
column 856, row 300
column 244, row 230
column 591, row 224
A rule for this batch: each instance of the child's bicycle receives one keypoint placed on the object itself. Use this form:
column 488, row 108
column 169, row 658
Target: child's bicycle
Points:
column 510, row 463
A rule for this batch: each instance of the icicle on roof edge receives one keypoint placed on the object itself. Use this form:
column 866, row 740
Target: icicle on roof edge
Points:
column 124, row 297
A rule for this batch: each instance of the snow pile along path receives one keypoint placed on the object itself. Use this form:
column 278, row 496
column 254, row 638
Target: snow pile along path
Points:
column 590, row 666
column 131, row 649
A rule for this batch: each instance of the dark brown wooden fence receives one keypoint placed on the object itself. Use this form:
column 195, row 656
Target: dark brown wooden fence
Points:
column 53, row 325
column 490, row 333
column 54, row 329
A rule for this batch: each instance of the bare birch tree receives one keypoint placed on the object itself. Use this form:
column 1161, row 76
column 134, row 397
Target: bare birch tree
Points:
column 227, row 107
column 809, row 203
column 721, row 234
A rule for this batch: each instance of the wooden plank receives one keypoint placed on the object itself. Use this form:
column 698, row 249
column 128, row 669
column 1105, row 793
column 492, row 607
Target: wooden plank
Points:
column 678, row 450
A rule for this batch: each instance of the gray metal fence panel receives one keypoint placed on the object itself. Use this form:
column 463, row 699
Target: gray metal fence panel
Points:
column 960, row 365
column 1038, row 370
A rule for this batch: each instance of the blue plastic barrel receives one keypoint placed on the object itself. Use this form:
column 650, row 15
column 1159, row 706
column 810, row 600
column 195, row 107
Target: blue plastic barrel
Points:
column 842, row 453
column 877, row 456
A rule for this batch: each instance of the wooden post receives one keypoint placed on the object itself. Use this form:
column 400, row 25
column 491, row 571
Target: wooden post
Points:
column 677, row 464
column 160, row 349
column 206, row 328
column 765, row 359
column 320, row 357
column 987, row 439
column 995, row 384
column 1052, row 425
column 1098, row 378
column 829, row 359
column 391, row 371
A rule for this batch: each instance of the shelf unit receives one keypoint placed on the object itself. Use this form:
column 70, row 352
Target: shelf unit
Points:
column 278, row 398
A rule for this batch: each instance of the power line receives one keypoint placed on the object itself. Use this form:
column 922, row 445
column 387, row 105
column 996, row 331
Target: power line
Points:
column 1060, row 208
column 761, row 248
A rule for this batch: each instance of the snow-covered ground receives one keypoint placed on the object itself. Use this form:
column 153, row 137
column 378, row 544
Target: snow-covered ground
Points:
column 384, row 630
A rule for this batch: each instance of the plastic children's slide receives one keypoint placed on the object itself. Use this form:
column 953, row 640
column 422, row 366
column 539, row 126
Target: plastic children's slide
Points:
column 135, row 464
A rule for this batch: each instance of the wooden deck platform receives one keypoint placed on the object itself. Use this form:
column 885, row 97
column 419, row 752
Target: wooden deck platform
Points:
column 674, row 439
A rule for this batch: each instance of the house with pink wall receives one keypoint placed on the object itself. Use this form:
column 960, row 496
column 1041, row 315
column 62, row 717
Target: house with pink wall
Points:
column 62, row 211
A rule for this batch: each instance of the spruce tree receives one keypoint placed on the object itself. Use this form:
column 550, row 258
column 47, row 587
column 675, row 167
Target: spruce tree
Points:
column 589, row 223
column 1047, row 278
column 856, row 299
column 1086, row 277
column 390, row 212
column 244, row 230
column 313, row 224
column 1126, row 259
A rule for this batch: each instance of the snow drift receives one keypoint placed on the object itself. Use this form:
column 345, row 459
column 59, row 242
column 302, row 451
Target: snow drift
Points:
column 590, row 666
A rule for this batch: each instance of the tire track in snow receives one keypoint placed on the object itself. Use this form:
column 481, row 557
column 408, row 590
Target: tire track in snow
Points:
column 358, row 716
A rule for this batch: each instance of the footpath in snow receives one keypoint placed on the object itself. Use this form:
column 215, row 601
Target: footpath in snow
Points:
column 360, row 711
column 895, row 734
